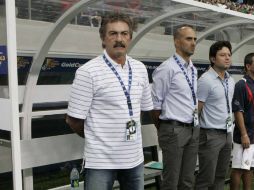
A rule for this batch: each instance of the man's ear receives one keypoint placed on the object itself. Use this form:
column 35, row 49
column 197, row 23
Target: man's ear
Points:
column 212, row 59
column 248, row 66
column 176, row 41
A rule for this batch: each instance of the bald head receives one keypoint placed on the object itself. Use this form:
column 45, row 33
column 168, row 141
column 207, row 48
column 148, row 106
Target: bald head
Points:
column 179, row 31
column 185, row 42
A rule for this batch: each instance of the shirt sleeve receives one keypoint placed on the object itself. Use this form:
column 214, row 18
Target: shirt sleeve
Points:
column 239, row 97
column 160, row 84
column 146, row 102
column 81, row 94
column 203, row 88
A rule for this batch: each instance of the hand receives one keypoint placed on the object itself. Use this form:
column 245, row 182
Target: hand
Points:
column 155, row 114
column 157, row 125
column 245, row 141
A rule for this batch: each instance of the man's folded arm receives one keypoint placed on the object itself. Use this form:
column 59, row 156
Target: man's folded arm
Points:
column 77, row 125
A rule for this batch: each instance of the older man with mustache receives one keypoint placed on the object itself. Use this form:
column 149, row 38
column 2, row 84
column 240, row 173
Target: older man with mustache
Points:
column 106, row 99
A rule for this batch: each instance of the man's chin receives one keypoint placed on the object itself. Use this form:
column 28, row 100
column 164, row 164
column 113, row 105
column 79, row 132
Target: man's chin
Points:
column 120, row 54
column 190, row 53
column 227, row 66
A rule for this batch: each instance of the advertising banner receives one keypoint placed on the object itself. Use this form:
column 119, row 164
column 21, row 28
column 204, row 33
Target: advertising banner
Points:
column 24, row 63
column 62, row 64
column 201, row 68
column 3, row 60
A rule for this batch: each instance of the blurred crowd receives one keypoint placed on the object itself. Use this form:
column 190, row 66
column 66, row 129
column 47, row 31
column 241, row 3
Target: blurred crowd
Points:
column 237, row 5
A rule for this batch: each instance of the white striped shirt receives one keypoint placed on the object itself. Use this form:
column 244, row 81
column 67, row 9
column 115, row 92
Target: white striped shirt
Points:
column 97, row 97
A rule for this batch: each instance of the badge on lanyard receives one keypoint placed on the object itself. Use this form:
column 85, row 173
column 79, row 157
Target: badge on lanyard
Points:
column 195, row 118
column 229, row 121
column 229, row 124
column 131, row 130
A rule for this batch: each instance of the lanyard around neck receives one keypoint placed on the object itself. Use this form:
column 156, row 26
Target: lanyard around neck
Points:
column 191, row 85
column 225, row 86
column 126, row 92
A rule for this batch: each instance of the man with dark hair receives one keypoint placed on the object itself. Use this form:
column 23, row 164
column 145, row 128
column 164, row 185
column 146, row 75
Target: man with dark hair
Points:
column 243, row 108
column 107, row 95
column 110, row 19
column 215, row 93
column 175, row 112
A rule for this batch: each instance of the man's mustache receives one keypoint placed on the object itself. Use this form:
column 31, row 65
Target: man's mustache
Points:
column 119, row 44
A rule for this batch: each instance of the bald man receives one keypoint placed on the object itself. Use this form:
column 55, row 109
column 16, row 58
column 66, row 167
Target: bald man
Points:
column 175, row 112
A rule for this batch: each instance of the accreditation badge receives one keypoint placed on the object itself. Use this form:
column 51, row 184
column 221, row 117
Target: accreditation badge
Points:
column 195, row 118
column 229, row 124
column 131, row 130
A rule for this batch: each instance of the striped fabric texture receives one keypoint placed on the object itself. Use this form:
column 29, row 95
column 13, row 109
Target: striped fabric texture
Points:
column 98, row 97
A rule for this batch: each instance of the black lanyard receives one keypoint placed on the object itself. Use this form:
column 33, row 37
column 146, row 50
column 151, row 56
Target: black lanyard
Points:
column 126, row 92
column 226, row 93
column 191, row 85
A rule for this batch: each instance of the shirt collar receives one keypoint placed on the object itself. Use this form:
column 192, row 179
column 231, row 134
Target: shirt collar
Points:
column 213, row 72
column 248, row 77
column 115, row 64
column 183, row 62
